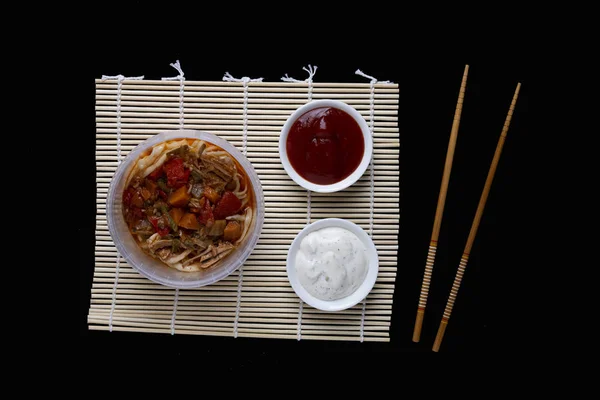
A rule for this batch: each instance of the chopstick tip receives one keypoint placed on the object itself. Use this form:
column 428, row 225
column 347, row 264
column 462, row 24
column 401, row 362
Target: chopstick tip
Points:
column 518, row 89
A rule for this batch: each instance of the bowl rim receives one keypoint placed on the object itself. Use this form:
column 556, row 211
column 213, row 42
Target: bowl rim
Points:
column 124, row 169
column 360, row 293
column 350, row 179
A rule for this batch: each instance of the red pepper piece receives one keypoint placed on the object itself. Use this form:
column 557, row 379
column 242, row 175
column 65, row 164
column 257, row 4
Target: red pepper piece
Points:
column 228, row 205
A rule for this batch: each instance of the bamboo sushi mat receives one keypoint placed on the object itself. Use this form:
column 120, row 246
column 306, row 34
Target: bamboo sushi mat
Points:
column 257, row 300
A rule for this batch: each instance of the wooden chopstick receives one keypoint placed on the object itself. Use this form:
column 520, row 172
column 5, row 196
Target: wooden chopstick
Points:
column 465, row 257
column 440, row 210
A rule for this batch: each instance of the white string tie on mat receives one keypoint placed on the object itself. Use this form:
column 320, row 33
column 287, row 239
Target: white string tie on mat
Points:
column 174, row 315
column 245, row 80
column 372, row 176
column 120, row 78
column 373, row 82
column 371, row 125
column 362, row 320
column 181, row 80
column 300, row 311
column 311, row 73
column 228, row 78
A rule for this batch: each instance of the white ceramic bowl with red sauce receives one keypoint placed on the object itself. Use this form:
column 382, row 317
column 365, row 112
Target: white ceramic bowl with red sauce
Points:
column 154, row 269
column 365, row 136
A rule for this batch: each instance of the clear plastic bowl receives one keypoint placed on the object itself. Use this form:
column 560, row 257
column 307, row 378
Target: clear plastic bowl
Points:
column 152, row 268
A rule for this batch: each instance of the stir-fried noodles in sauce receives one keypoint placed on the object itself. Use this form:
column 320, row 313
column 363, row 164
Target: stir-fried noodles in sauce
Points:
column 188, row 203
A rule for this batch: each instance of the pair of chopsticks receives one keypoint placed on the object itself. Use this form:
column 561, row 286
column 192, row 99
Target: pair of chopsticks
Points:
column 440, row 211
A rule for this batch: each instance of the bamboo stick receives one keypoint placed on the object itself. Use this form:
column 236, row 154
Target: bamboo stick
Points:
column 190, row 89
column 387, row 196
column 381, row 141
column 266, row 267
column 109, row 151
column 379, row 85
column 271, row 115
column 111, row 121
column 230, row 106
column 253, row 286
column 380, row 190
column 268, row 237
column 475, row 226
column 258, row 298
column 389, row 155
column 293, row 94
column 257, row 278
column 274, row 226
column 310, row 323
column 260, row 273
column 382, row 184
column 263, row 242
column 252, row 100
column 266, row 130
column 270, row 306
column 439, row 210
column 253, row 112
column 323, row 201
column 201, row 86
column 261, row 266
column 279, row 292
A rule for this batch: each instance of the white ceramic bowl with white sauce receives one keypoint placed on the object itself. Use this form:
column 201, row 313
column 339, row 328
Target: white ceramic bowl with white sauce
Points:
column 365, row 287
column 355, row 175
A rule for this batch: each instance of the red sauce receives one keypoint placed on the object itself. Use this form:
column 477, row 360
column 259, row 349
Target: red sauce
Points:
column 325, row 145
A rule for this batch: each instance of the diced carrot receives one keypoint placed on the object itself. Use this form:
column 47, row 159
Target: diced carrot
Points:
column 150, row 185
column 233, row 231
column 180, row 197
column 176, row 214
column 189, row 221
column 137, row 199
column 146, row 194
column 211, row 194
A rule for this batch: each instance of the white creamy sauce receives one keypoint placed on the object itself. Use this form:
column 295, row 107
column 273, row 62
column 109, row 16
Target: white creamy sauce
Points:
column 331, row 263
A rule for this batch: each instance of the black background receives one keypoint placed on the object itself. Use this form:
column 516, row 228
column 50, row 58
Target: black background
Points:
column 428, row 70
